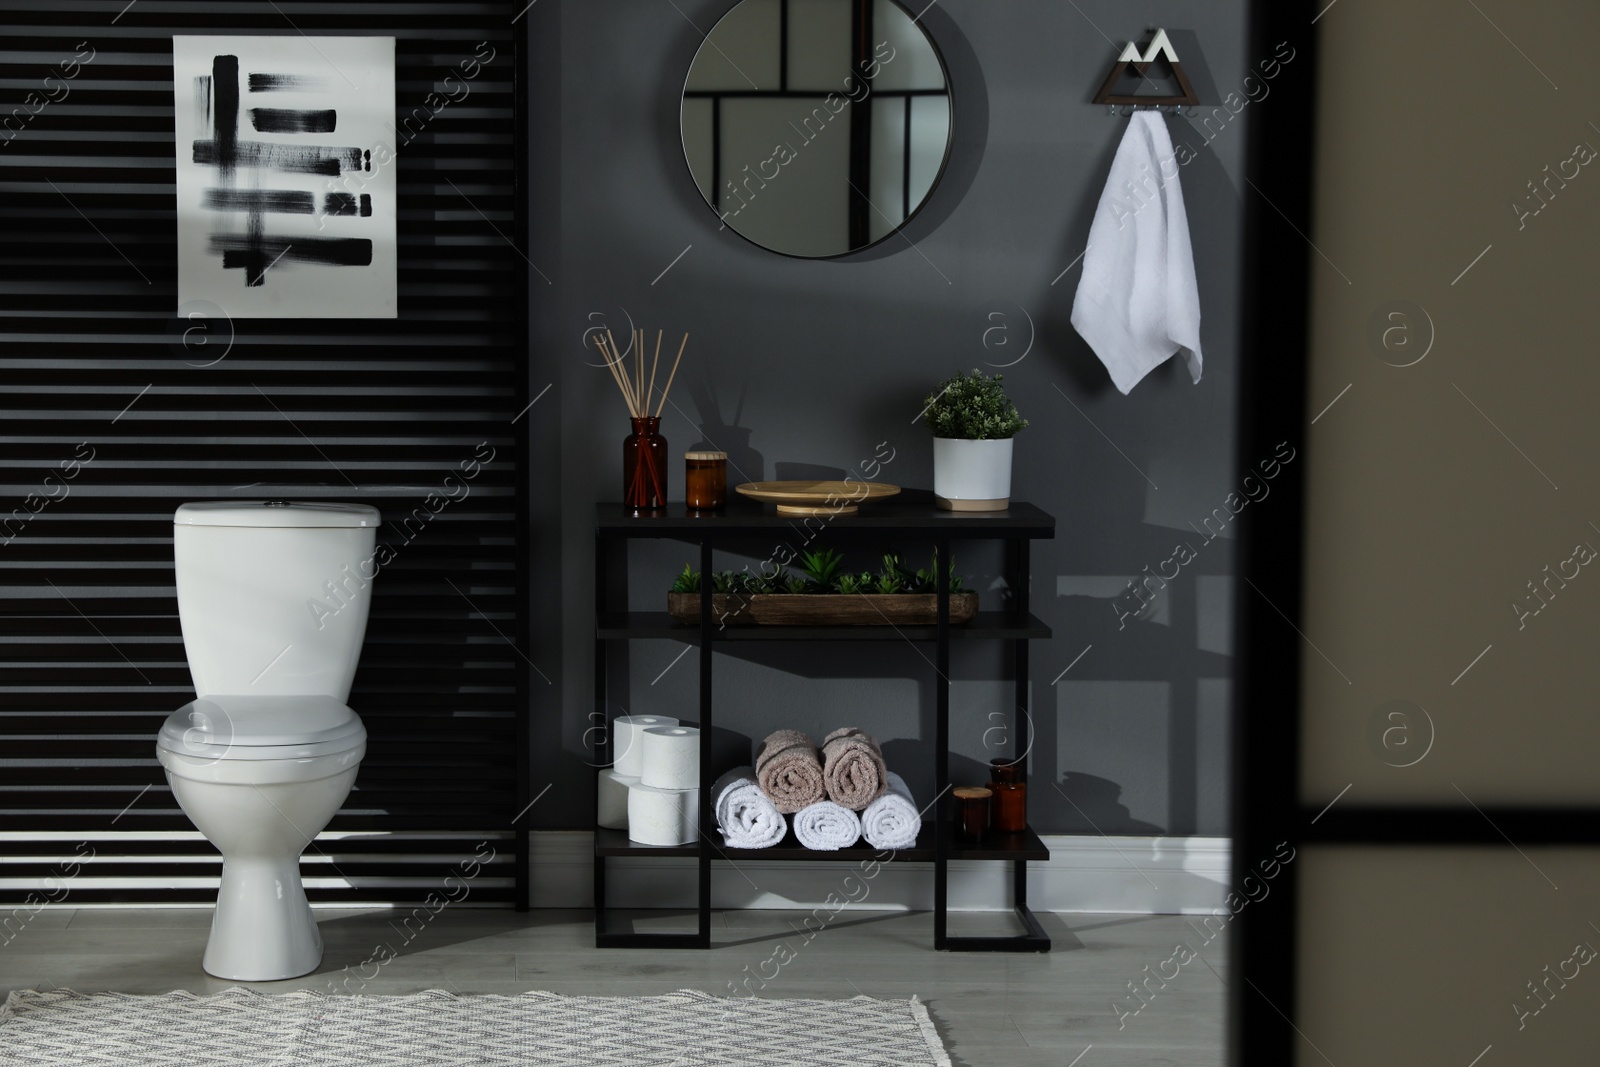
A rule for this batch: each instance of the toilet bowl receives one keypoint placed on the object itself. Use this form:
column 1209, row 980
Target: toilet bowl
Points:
column 260, row 777
column 273, row 599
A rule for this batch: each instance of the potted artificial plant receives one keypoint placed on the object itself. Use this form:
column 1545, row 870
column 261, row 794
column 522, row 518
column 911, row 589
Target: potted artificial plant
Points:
column 973, row 422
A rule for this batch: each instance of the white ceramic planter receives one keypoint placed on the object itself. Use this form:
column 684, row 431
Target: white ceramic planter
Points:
column 972, row 475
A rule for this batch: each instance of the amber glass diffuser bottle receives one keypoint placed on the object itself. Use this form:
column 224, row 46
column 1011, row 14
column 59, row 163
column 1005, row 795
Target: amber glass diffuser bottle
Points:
column 644, row 465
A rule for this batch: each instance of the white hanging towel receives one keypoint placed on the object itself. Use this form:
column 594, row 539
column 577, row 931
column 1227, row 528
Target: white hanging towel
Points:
column 1137, row 301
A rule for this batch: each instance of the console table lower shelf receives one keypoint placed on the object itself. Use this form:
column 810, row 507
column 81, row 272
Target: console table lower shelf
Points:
column 1014, row 848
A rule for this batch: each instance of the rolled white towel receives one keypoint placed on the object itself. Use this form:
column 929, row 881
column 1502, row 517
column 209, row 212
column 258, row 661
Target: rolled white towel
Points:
column 892, row 821
column 747, row 818
column 826, row 826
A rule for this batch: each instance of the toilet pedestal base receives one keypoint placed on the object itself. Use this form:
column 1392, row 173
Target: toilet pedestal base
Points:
column 263, row 930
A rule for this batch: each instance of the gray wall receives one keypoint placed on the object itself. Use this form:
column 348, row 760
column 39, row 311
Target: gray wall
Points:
column 796, row 365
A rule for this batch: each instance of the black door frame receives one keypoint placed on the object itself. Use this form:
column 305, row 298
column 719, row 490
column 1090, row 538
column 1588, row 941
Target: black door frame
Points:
column 1266, row 777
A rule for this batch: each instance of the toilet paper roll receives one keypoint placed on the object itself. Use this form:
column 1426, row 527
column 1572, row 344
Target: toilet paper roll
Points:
column 613, row 800
column 627, row 748
column 663, row 816
column 671, row 757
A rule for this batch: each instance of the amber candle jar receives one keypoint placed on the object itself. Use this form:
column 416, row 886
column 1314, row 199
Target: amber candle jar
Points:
column 972, row 811
column 705, row 480
column 644, row 466
column 1009, row 808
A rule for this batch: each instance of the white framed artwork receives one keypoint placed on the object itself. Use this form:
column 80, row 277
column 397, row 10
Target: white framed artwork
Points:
column 284, row 208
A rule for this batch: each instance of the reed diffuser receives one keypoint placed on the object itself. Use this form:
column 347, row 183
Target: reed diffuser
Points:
column 644, row 451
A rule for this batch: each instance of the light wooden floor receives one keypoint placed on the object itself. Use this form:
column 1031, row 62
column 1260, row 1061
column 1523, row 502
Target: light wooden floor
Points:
column 993, row 1010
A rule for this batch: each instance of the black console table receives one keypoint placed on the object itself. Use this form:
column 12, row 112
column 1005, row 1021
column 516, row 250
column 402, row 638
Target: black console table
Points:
column 749, row 526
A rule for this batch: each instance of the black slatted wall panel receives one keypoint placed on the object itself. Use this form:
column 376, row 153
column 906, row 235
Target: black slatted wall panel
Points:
column 113, row 412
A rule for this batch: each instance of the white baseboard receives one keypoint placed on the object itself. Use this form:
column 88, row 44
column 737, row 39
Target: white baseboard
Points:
column 1140, row 875
column 1132, row 875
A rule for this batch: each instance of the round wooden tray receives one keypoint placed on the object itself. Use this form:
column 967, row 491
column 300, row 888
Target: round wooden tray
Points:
column 817, row 498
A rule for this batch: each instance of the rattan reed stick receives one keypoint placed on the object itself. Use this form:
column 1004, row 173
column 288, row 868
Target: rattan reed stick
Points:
column 668, row 387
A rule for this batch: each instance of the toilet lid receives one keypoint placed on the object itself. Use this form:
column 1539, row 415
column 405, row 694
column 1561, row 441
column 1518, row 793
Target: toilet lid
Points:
column 275, row 514
column 261, row 727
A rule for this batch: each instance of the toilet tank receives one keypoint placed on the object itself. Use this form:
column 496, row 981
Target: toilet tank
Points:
column 273, row 594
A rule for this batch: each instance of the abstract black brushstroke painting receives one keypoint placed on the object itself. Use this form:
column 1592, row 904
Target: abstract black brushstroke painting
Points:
column 293, row 120
column 285, row 83
column 287, row 210
column 283, row 201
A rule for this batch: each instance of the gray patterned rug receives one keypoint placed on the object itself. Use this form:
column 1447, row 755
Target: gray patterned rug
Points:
column 242, row 1028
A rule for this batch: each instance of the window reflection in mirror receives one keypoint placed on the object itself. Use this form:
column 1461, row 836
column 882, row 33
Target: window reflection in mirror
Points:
column 816, row 127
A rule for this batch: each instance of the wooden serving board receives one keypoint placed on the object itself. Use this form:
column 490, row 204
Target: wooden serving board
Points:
column 823, row 609
column 816, row 498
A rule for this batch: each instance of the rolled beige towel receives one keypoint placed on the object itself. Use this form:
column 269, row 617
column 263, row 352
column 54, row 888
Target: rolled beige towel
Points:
column 789, row 771
column 853, row 773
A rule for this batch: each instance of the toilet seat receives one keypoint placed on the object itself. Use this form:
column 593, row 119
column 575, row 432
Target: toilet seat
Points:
column 253, row 728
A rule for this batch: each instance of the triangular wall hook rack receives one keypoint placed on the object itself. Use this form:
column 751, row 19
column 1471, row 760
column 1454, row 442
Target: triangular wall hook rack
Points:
column 1133, row 61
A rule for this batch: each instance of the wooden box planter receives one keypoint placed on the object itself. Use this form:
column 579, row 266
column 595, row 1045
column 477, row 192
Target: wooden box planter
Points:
column 823, row 609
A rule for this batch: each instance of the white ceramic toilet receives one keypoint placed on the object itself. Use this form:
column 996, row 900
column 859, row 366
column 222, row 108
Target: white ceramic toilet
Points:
column 273, row 599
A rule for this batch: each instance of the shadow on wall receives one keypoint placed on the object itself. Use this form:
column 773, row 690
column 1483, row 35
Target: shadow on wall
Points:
column 1141, row 681
column 722, row 433
column 805, row 472
column 1095, row 802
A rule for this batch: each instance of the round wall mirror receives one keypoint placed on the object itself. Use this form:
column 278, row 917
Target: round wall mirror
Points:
column 816, row 127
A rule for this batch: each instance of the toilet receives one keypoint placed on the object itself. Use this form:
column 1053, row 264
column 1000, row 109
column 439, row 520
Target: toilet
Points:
column 273, row 598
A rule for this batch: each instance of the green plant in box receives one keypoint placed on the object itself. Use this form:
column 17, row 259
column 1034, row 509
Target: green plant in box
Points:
column 688, row 581
column 926, row 579
column 821, row 574
column 887, row 581
column 855, row 583
column 757, row 583
column 820, row 566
